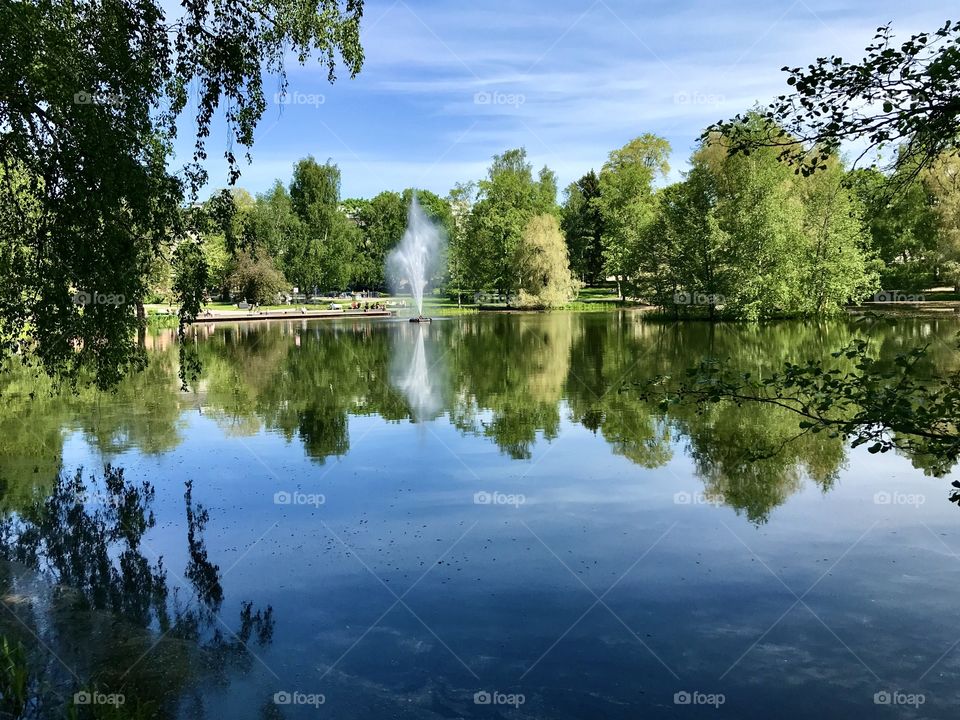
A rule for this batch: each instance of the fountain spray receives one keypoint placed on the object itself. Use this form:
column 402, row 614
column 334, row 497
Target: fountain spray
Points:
column 414, row 259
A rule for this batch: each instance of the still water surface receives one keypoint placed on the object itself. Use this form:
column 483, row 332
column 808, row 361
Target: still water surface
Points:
column 476, row 518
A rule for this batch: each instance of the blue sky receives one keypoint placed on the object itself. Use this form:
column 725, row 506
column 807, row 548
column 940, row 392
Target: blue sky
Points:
column 446, row 85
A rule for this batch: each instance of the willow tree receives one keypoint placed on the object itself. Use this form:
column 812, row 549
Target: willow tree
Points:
column 541, row 263
column 91, row 96
column 507, row 199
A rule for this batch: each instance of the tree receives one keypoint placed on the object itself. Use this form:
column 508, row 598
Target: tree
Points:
column 460, row 199
column 902, row 226
column 368, row 216
column 906, row 404
column 582, row 226
column 507, row 199
column 320, row 257
column 257, row 278
column 942, row 180
column 689, row 255
column 904, row 95
column 745, row 236
column 217, row 260
column 92, row 96
column 626, row 201
column 271, row 223
column 836, row 259
column 381, row 222
column 542, row 265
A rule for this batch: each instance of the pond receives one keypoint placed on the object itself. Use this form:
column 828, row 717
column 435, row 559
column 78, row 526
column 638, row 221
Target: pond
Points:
column 473, row 518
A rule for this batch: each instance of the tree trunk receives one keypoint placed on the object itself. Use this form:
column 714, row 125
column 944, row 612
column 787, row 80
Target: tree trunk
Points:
column 141, row 324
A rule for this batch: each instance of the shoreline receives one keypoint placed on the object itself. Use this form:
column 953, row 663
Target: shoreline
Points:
column 928, row 307
column 242, row 316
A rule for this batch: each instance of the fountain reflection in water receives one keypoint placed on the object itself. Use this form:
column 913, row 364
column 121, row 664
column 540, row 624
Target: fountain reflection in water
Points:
column 413, row 378
column 414, row 259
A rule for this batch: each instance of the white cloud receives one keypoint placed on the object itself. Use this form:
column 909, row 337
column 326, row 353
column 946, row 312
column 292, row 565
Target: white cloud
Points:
column 574, row 84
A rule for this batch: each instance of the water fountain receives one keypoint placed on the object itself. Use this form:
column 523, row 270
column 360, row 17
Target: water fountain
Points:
column 414, row 259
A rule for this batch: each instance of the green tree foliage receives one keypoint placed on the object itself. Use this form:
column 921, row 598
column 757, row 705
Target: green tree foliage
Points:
column 271, row 224
column 255, row 277
column 507, row 199
column 836, row 259
column 540, row 260
column 899, row 94
column 942, row 180
column 688, row 255
column 460, row 199
column 582, row 225
column 626, row 202
column 746, row 237
column 321, row 255
column 904, row 95
column 92, row 97
column 902, row 226
column 380, row 221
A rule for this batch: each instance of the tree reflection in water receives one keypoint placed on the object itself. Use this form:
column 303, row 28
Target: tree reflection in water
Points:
column 513, row 380
column 96, row 610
